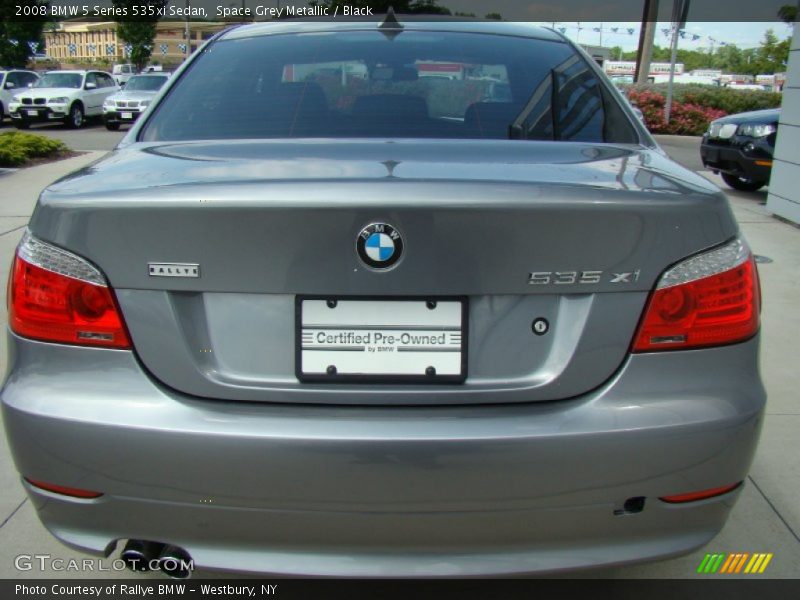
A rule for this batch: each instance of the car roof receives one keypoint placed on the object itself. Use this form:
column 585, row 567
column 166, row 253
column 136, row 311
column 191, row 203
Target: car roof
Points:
column 409, row 23
column 79, row 71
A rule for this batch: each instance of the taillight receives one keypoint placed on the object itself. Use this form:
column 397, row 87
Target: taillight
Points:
column 56, row 296
column 63, row 490
column 708, row 300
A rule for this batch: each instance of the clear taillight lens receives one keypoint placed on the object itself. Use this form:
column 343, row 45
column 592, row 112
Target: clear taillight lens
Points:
column 56, row 296
column 710, row 299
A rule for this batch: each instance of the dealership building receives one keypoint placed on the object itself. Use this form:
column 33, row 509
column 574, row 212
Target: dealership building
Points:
column 88, row 41
column 784, row 193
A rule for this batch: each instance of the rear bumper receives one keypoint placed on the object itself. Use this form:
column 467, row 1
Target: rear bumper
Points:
column 361, row 491
column 732, row 160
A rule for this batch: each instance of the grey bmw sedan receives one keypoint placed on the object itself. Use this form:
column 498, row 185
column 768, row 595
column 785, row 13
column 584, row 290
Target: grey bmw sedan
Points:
column 394, row 298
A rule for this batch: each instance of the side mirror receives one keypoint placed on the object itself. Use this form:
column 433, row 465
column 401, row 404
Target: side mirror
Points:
column 91, row 86
column 10, row 85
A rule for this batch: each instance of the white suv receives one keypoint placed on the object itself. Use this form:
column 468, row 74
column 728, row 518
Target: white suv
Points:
column 67, row 96
column 122, row 73
column 12, row 82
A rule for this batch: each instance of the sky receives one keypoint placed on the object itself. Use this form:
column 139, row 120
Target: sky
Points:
column 744, row 35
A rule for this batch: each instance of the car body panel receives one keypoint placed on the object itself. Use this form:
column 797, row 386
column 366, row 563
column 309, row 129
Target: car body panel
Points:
column 291, row 204
column 364, row 491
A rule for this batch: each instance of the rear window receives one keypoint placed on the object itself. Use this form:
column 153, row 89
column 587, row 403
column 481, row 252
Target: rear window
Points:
column 366, row 84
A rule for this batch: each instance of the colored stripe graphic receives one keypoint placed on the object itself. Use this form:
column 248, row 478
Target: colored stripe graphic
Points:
column 764, row 564
column 727, row 565
column 740, row 564
column 736, row 562
column 753, row 564
column 703, row 563
column 730, row 564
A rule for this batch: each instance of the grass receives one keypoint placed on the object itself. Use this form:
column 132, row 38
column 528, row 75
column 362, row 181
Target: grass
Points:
column 18, row 148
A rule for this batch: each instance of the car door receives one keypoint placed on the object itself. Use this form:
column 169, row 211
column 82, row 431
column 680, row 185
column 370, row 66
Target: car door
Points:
column 19, row 82
column 108, row 85
column 93, row 98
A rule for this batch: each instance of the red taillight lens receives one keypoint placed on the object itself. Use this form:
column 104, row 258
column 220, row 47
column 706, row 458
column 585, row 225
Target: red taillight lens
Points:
column 721, row 308
column 49, row 306
column 63, row 490
column 701, row 495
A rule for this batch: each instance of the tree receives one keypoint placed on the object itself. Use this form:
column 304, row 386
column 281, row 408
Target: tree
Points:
column 495, row 16
column 772, row 55
column 139, row 32
column 729, row 58
column 15, row 36
column 788, row 14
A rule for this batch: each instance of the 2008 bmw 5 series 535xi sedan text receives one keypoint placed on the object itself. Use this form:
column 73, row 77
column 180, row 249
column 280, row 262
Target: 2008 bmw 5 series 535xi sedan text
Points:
column 384, row 299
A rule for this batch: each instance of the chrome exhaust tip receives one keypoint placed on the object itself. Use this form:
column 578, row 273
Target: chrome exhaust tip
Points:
column 138, row 555
column 175, row 562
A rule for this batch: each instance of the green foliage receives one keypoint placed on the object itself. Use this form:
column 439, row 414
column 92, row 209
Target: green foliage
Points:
column 731, row 101
column 17, row 148
column 770, row 57
column 23, row 32
column 139, row 32
column 787, row 13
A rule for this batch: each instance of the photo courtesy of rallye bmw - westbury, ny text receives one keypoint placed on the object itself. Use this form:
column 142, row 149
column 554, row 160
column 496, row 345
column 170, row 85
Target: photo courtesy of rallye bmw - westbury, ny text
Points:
column 145, row 590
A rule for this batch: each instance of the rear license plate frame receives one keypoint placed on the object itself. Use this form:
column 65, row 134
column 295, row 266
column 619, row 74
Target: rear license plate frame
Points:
column 459, row 378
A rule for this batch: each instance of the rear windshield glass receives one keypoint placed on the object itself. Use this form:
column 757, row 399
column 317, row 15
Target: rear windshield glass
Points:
column 415, row 84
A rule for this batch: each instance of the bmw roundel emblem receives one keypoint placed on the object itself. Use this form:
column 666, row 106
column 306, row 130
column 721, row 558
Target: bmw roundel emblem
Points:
column 379, row 245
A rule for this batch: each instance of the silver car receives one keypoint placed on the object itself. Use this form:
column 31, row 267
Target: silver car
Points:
column 127, row 105
column 323, row 313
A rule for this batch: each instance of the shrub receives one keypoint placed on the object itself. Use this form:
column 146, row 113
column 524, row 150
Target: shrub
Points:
column 730, row 100
column 686, row 118
column 17, row 148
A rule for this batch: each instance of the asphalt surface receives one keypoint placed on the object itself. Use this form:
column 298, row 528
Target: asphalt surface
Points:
column 93, row 136
column 765, row 519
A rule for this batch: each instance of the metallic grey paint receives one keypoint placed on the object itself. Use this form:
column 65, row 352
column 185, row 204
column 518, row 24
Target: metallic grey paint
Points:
column 381, row 490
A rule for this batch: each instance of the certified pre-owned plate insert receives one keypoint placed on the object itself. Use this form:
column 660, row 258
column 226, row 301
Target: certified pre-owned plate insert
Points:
column 342, row 339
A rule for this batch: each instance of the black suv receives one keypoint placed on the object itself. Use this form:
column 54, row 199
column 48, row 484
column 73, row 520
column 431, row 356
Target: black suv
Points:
column 739, row 147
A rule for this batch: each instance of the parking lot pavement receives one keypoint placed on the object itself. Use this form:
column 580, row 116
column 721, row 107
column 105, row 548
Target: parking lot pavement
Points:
column 765, row 519
column 93, row 136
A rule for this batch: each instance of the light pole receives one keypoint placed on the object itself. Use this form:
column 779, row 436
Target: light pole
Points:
column 188, row 33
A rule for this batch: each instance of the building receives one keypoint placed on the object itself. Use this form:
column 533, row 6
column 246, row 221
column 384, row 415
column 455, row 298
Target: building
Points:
column 784, row 193
column 90, row 41
column 628, row 67
column 600, row 54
